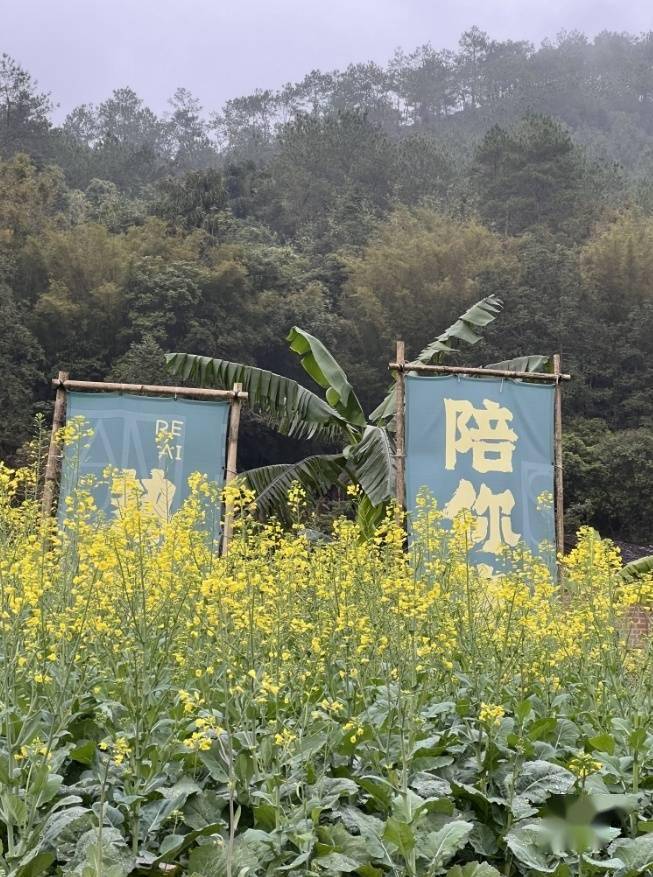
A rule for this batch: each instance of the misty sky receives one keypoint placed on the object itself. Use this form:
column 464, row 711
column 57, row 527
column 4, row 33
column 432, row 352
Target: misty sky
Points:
column 81, row 50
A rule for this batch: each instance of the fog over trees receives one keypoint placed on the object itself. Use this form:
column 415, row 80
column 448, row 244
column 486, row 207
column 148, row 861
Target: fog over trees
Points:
column 366, row 204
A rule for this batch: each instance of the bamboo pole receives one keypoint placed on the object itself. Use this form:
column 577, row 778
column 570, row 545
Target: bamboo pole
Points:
column 557, row 462
column 420, row 368
column 400, row 434
column 52, row 464
column 231, row 468
column 151, row 389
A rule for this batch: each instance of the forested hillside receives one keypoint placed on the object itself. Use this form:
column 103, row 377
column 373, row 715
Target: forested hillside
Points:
column 365, row 205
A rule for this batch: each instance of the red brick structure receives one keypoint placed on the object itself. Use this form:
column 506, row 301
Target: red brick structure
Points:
column 639, row 624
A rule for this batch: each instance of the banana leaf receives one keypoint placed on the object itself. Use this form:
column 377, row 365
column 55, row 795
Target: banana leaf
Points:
column 317, row 475
column 320, row 364
column 465, row 329
column 372, row 464
column 369, row 516
column 534, row 363
column 634, row 570
column 294, row 410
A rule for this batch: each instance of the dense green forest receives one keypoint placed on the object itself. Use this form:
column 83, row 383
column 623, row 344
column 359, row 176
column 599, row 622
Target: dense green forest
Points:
column 365, row 205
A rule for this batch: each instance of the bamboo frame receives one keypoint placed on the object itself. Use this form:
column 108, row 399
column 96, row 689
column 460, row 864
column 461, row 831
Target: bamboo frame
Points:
column 400, row 434
column 420, row 368
column 231, row 467
column 148, row 389
column 54, row 457
column 557, row 376
column 63, row 384
column 559, row 504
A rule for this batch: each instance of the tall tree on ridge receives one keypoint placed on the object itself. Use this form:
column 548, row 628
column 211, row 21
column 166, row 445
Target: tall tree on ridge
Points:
column 24, row 111
column 531, row 175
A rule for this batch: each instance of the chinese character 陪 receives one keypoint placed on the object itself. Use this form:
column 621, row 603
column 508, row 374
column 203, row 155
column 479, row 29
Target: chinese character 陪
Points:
column 488, row 436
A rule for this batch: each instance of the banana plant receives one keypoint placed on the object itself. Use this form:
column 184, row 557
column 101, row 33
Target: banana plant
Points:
column 367, row 455
column 637, row 569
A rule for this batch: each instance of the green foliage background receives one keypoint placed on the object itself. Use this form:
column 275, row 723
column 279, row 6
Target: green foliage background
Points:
column 364, row 205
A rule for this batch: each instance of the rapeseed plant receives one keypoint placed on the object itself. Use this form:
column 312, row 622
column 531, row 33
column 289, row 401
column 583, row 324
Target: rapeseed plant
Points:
column 345, row 698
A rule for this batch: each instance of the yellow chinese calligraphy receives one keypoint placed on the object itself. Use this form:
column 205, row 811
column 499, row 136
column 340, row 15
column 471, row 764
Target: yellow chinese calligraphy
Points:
column 156, row 491
column 123, row 487
column 483, row 431
column 493, row 525
column 159, row 493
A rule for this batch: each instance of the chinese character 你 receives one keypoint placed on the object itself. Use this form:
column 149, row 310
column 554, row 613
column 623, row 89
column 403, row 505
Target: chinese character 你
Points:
column 493, row 525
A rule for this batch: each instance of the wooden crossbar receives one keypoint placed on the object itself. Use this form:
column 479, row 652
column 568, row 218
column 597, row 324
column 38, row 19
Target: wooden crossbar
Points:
column 421, row 368
column 149, row 389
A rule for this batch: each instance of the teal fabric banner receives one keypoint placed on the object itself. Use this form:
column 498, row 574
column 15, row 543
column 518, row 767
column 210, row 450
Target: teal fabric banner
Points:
column 486, row 445
column 159, row 440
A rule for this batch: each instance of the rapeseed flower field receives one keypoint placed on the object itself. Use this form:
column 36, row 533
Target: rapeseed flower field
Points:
column 312, row 704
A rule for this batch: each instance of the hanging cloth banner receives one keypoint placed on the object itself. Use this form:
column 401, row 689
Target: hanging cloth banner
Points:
column 485, row 445
column 157, row 441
